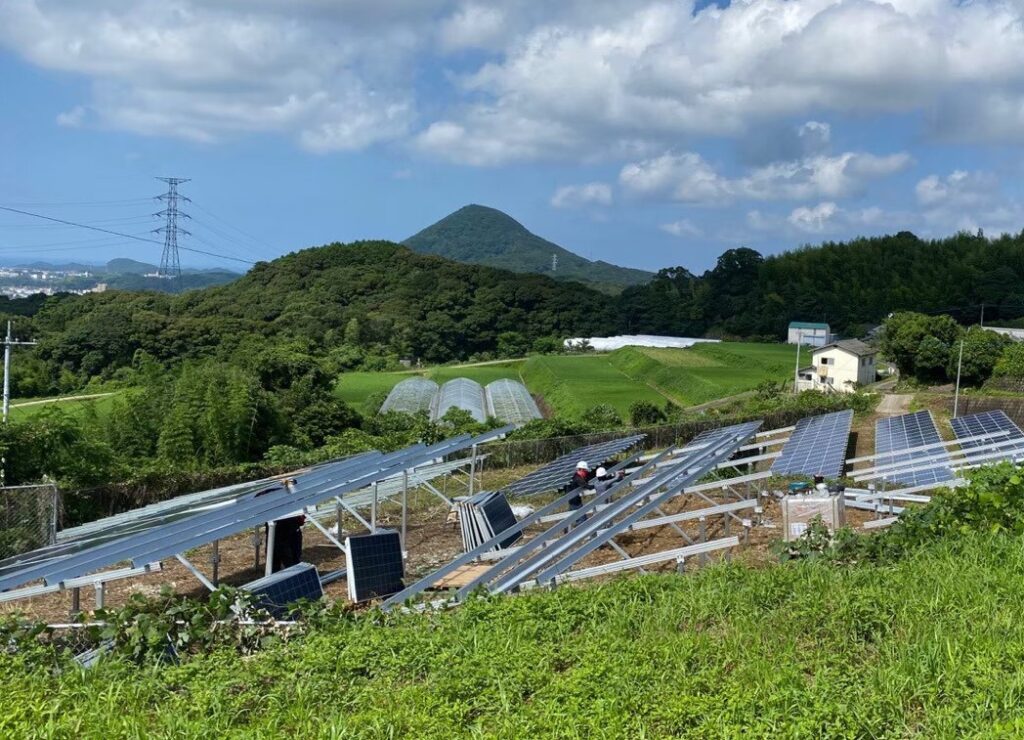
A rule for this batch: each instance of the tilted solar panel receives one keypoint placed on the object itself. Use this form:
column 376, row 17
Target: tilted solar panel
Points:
column 987, row 422
column 908, row 431
column 500, row 517
column 558, row 472
column 375, row 566
column 817, row 446
column 278, row 591
column 710, row 437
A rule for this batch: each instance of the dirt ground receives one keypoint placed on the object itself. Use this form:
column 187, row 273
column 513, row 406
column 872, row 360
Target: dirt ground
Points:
column 433, row 541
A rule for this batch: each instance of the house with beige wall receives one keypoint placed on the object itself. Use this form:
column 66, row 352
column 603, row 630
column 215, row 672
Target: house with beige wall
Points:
column 841, row 366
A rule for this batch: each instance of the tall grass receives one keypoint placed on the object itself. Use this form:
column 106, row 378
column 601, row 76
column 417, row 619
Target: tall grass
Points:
column 930, row 646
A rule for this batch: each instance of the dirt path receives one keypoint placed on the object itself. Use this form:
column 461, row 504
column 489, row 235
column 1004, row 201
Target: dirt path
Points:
column 893, row 404
column 61, row 399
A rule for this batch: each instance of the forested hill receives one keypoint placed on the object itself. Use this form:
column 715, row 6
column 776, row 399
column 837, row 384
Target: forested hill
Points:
column 852, row 285
column 368, row 299
column 486, row 236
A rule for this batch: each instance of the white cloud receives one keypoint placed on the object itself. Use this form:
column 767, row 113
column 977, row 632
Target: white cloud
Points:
column 472, row 26
column 578, row 79
column 574, row 196
column 688, row 178
column 72, row 118
column 813, row 220
column 958, row 189
column 682, row 227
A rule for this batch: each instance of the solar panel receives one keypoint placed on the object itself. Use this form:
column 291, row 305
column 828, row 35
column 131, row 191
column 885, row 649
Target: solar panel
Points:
column 375, row 566
column 710, row 437
column 897, row 433
column 817, row 446
column 279, row 590
column 987, row 422
column 557, row 473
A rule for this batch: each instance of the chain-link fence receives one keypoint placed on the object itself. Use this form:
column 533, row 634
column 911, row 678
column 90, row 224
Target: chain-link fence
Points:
column 28, row 518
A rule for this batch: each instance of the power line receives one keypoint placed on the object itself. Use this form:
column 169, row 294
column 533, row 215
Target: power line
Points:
column 118, row 233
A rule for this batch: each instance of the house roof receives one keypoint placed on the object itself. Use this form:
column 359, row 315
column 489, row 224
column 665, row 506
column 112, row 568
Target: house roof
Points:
column 807, row 325
column 853, row 346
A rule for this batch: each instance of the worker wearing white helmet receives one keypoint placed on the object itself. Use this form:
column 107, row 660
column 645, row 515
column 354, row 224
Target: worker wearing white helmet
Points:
column 601, row 480
column 578, row 485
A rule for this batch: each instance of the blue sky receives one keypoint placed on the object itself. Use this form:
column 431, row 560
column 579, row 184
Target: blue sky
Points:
column 643, row 133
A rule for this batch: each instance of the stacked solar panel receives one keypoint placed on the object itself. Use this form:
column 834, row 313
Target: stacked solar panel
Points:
column 906, row 432
column 484, row 516
column 817, row 446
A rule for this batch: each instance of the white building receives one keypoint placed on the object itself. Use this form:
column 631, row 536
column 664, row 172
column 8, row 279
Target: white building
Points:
column 808, row 333
column 841, row 366
column 1015, row 334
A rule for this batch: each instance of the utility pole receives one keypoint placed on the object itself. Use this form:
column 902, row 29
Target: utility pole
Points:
column 9, row 342
column 956, row 396
column 796, row 371
column 170, row 265
column 982, row 315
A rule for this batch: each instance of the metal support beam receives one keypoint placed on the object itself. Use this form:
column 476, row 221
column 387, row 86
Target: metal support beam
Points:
column 271, row 532
column 196, row 572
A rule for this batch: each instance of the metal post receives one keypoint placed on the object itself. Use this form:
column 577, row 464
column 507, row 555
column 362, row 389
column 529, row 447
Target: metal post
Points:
column 7, row 372
column 405, row 510
column 373, row 510
column 269, row 567
column 796, row 370
column 76, row 600
column 703, row 538
column 99, row 594
column 956, row 396
column 680, row 565
column 215, row 562
column 256, row 540
column 341, row 514
column 472, row 470
column 727, row 530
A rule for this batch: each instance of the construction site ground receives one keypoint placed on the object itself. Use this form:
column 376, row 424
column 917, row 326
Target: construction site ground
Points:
column 433, row 540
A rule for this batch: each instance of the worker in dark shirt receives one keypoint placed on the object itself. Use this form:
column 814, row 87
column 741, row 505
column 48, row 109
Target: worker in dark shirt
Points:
column 579, row 483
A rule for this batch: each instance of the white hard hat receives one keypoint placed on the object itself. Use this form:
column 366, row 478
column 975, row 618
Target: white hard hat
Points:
column 822, row 487
column 582, row 465
column 601, row 472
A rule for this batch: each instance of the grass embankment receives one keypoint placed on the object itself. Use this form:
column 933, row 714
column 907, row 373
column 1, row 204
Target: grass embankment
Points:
column 930, row 646
column 100, row 402
column 571, row 384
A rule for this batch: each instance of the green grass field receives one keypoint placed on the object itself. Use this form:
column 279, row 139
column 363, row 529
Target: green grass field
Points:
column 570, row 384
column 929, row 646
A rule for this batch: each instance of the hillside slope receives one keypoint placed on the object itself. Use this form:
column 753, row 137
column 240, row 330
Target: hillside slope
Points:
column 486, row 236
column 402, row 303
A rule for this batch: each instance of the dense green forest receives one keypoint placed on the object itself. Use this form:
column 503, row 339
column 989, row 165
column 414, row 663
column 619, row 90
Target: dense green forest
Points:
column 851, row 285
column 486, row 236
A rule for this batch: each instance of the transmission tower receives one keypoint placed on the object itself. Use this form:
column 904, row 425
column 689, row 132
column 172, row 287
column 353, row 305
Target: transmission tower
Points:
column 170, row 265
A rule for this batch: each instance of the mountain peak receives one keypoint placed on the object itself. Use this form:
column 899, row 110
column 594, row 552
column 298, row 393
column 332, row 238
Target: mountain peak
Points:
column 486, row 236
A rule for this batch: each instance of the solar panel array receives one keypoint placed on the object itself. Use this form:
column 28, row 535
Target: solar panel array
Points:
column 483, row 516
column 375, row 567
column 557, row 473
column 410, row 396
column 817, row 446
column 509, row 401
column 151, row 535
column 987, row 422
column 461, row 393
column 904, row 432
column 279, row 590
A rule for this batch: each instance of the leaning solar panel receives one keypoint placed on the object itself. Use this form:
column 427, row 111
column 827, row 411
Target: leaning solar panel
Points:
column 375, row 567
column 987, row 422
column 817, row 446
column 410, row 396
column 500, row 517
column 509, row 401
column 908, row 431
column 461, row 393
column 711, row 437
column 557, row 473
column 278, row 590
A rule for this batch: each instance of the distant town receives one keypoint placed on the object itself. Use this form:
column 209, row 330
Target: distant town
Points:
column 20, row 282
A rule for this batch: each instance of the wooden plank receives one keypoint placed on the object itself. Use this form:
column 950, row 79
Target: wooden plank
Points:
column 460, row 577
